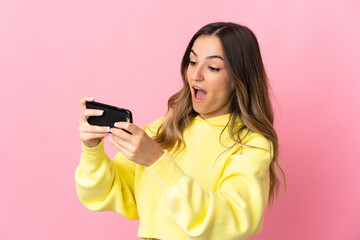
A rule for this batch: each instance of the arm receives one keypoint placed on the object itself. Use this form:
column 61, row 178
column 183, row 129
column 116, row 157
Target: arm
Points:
column 234, row 210
column 103, row 184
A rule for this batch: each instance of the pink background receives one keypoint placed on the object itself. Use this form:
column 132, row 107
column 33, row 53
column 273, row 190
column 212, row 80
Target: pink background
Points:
column 128, row 53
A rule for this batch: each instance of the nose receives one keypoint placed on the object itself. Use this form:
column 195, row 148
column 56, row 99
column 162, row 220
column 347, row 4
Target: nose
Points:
column 196, row 73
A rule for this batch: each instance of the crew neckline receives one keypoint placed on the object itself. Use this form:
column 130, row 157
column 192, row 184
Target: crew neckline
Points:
column 218, row 120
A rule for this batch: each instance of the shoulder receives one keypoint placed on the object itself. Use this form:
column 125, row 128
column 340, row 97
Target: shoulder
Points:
column 257, row 140
column 255, row 144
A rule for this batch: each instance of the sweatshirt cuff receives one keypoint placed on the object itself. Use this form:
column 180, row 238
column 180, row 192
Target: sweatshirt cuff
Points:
column 166, row 171
column 93, row 153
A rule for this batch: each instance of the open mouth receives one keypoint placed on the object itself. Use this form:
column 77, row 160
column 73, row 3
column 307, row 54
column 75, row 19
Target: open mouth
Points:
column 199, row 94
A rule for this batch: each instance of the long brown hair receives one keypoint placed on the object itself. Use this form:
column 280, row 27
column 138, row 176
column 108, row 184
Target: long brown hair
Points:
column 250, row 100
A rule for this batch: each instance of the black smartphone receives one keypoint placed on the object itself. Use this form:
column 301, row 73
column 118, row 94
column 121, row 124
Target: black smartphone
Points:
column 110, row 116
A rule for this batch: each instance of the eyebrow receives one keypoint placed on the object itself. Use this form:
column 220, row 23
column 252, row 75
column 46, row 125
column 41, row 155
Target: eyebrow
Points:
column 208, row 57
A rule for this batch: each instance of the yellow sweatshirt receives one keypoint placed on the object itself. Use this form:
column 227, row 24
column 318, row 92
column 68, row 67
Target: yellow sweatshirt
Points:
column 207, row 191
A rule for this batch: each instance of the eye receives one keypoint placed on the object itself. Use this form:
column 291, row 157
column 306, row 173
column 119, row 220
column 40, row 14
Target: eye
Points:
column 214, row 69
column 192, row 63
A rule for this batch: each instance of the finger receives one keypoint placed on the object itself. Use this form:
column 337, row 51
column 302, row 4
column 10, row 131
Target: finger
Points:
column 124, row 143
column 120, row 147
column 121, row 133
column 84, row 100
column 87, row 128
column 92, row 112
column 89, row 136
column 130, row 127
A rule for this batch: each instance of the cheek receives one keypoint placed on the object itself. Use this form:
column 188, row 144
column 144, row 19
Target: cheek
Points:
column 224, row 85
column 187, row 74
column 226, row 89
column 230, row 84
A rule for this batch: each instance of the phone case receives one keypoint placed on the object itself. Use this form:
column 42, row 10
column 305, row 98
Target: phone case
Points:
column 111, row 114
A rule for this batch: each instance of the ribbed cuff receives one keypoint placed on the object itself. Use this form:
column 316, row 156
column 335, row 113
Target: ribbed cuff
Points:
column 92, row 154
column 166, row 171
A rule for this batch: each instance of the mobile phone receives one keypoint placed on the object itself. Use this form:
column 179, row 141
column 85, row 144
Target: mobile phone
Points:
column 110, row 116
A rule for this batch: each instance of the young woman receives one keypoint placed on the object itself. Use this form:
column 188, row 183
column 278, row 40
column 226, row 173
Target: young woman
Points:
column 205, row 170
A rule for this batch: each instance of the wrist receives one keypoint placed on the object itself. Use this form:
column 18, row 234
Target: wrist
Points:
column 157, row 157
column 93, row 143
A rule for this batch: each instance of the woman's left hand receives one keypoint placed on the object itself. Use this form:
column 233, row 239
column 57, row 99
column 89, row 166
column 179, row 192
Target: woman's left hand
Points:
column 138, row 146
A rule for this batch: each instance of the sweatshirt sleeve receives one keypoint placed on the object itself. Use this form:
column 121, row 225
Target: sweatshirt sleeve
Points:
column 235, row 209
column 103, row 184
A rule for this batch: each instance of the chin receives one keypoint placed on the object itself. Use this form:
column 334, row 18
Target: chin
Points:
column 201, row 111
column 198, row 109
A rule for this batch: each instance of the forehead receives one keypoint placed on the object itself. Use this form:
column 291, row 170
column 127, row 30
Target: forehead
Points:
column 206, row 45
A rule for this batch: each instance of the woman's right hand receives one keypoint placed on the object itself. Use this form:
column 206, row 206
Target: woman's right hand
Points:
column 90, row 135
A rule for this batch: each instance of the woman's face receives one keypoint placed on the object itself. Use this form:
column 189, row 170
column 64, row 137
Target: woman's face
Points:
column 210, row 85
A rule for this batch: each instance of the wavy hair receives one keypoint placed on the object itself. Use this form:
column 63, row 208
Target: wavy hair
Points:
column 250, row 100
